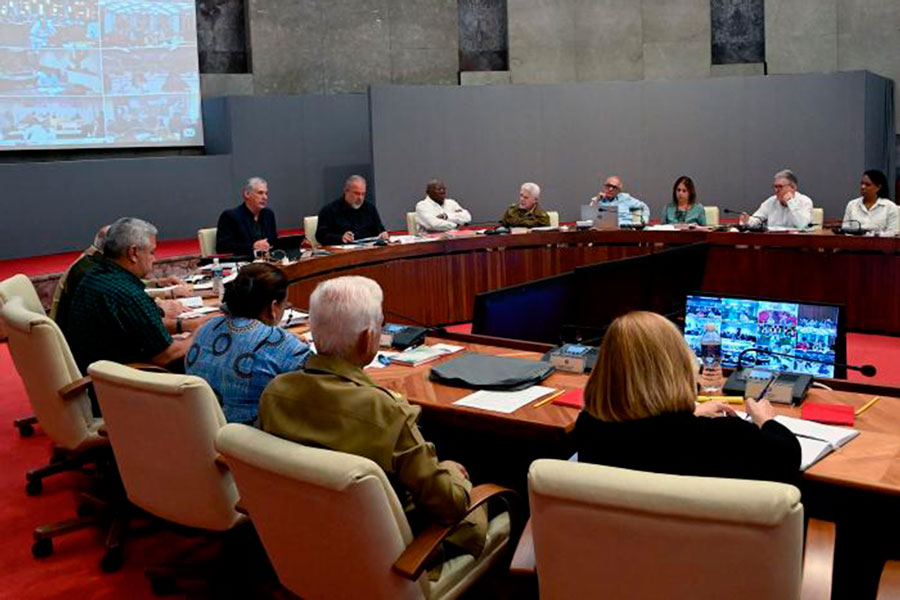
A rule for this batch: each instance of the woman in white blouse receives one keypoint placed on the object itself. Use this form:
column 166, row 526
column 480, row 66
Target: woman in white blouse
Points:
column 872, row 211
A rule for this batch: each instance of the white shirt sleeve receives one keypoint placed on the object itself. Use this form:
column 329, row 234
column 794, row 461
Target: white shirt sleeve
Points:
column 765, row 209
column 848, row 216
column 456, row 213
column 893, row 220
column 800, row 207
column 428, row 216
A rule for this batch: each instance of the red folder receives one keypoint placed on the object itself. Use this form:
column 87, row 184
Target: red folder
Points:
column 833, row 414
column 572, row 398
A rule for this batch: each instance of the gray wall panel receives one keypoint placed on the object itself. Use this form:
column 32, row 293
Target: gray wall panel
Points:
column 729, row 134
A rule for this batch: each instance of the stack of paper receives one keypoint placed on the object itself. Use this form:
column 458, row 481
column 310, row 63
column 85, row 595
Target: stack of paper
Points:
column 422, row 354
column 191, row 302
column 293, row 317
column 505, row 402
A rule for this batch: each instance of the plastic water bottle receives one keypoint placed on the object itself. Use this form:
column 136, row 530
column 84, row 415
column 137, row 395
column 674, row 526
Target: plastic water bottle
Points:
column 711, row 359
column 218, row 286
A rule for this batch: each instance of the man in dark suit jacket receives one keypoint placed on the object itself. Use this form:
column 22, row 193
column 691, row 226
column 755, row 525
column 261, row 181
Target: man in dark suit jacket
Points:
column 349, row 217
column 250, row 226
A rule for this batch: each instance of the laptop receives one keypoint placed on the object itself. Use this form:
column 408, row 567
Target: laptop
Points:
column 603, row 217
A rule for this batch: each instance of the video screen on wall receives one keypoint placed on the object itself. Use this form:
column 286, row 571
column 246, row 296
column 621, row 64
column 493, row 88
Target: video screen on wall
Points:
column 801, row 330
column 98, row 73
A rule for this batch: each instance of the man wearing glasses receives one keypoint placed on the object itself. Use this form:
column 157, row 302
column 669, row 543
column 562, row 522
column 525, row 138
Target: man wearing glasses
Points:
column 631, row 210
column 787, row 209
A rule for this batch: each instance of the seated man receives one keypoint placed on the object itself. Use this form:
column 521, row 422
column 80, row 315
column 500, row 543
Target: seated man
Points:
column 526, row 212
column 331, row 403
column 788, row 208
column 251, row 225
column 631, row 210
column 349, row 217
column 436, row 212
column 111, row 316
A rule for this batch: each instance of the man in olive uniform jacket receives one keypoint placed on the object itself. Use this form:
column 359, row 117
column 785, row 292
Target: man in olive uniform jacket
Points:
column 526, row 212
column 331, row 403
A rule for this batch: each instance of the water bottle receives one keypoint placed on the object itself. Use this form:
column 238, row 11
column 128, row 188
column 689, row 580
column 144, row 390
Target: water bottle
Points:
column 711, row 359
column 218, row 286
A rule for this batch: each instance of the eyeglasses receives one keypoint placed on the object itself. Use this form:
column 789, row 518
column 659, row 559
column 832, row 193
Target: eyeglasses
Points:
column 611, row 186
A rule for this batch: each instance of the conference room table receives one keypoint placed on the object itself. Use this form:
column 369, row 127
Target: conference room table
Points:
column 434, row 282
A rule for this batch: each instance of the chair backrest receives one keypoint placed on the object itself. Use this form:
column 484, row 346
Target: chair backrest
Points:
column 712, row 215
column 207, row 239
column 330, row 522
column 554, row 218
column 412, row 226
column 603, row 532
column 162, row 428
column 20, row 286
column 309, row 229
column 44, row 362
column 817, row 218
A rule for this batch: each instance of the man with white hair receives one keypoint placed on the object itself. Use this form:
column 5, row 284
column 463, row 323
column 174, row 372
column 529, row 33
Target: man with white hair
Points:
column 331, row 403
column 526, row 212
column 110, row 315
column 786, row 209
column 350, row 217
column 249, row 226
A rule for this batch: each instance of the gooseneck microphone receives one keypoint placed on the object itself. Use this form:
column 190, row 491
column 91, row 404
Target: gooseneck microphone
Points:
column 865, row 370
column 858, row 230
column 759, row 224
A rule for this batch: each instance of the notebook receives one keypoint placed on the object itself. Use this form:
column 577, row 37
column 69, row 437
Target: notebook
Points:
column 832, row 414
column 816, row 440
column 572, row 398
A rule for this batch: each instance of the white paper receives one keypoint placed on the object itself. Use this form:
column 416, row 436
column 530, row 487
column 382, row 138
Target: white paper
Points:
column 817, row 440
column 292, row 317
column 505, row 402
column 666, row 227
column 198, row 312
column 203, row 286
column 382, row 359
column 192, row 302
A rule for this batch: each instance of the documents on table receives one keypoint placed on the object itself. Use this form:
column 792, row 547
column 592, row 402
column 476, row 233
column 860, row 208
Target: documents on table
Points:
column 816, row 440
column 505, row 402
column 293, row 317
column 191, row 302
column 198, row 312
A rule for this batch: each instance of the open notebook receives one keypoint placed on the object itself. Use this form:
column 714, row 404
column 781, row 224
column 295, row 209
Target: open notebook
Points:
column 816, row 440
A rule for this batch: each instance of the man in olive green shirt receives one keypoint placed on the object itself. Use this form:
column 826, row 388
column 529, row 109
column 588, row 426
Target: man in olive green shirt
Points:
column 331, row 403
column 526, row 212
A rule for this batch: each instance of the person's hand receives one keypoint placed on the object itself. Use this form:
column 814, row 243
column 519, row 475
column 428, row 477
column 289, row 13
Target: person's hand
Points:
column 453, row 463
column 169, row 280
column 714, row 408
column 759, row 410
column 593, row 201
column 744, row 218
column 172, row 308
column 347, row 237
column 262, row 244
column 384, row 235
column 182, row 291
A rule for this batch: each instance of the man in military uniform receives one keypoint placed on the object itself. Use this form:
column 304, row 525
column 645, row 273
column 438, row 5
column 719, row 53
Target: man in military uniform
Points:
column 526, row 212
column 331, row 403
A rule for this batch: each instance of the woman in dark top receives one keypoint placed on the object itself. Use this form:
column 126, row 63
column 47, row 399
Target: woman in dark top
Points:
column 639, row 413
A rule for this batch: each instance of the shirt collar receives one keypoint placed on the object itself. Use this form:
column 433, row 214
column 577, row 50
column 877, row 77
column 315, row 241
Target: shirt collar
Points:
column 340, row 367
column 114, row 265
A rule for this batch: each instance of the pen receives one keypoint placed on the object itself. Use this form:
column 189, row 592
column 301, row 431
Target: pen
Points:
column 549, row 398
column 867, row 405
column 725, row 399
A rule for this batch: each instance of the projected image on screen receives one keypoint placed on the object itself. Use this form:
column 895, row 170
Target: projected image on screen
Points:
column 801, row 330
column 94, row 73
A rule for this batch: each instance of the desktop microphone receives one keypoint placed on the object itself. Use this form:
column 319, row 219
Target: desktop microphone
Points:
column 431, row 330
column 858, row 230
column 760, row 224
column 865, row 370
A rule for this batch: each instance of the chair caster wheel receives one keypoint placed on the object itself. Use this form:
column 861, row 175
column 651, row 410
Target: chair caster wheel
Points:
column 34, row 487
column 42, row 548
column 112, row 561
column 163, row 586
column 85, row 510
column 26, row 430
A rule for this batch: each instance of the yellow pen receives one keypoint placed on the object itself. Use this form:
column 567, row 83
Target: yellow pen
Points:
column 725, row 399
column 549, row 398
column 867, row 405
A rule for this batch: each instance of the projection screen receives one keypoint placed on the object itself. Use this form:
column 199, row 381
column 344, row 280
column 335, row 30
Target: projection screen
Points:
column 98, row 73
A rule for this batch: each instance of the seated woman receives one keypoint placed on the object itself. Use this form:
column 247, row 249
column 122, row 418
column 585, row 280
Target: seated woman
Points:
column 239, row 353
column 639, row 413
column 684, row 207
column 872, row 211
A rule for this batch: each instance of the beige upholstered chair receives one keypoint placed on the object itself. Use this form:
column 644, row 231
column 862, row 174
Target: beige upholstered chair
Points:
column 310, row 224
column 412, row 226
column 889, row 586
column 207, row 239
column 818, row 218
column 57, row 396
column 20, row 286
column 162, row 428
column 333, row 526
column 712, row 216
column 603, row 532
column 554, row 218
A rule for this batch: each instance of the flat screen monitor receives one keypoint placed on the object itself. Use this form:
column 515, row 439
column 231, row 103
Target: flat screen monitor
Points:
column 803, row 330
column 99, row 74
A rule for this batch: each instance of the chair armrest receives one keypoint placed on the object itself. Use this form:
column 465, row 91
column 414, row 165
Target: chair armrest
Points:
column 76, row 388
column 523, row 561
column 411, row 563
column 240, row 508
column 818, row 560
column 141, row 366
column 889, row 586
column 221, row 462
